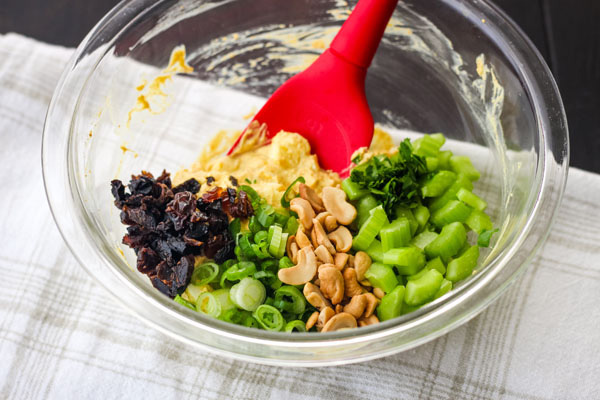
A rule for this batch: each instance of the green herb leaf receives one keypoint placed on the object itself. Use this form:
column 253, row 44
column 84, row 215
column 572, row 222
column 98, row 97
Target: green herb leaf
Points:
column 485, row 236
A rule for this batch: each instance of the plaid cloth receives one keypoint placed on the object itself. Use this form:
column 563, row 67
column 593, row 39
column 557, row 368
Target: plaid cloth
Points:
column 62, row 336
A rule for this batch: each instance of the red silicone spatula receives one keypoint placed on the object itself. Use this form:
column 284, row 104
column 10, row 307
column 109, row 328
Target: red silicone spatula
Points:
column 326, row 103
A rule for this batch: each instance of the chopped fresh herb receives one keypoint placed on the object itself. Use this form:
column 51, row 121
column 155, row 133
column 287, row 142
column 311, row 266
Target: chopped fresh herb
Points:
column 393, row 181
column 356, row 160
column 485, row 236
column 248, row 181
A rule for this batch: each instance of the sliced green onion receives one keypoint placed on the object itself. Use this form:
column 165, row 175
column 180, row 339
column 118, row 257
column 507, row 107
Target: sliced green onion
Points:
column 453, row 211
column 245, row 246
column 420, row 291
column 353, row 189
column 463, row 165
column 370, row 229
column 423, row 239
column 254, row 197
column 406, row 260
column 444, row 288
column 375, row 251
column 484, row 237
column 296, row 325
column 269, row 318
column 450, row 240
column 260, row 237
column 364, row 207
column 438, row 184
column 184, row 302
column 396, row 234
column 293, row 300
column 478, row 221
column 265, row 215
column 248, row 294
column 208, row 304
column 193, row 291
column 462, row 267
column 238, row 272
column 285, row 262
column 280, row 218
column 285, row 202
column 282, row 245
column 275, row 235
column 260, row 250
column 382, row 276
column 391, row 304
column 254, row 225
column 471, row 199
column 235, row 226
column 291, row 226
column 205, row 273
column 222, row 296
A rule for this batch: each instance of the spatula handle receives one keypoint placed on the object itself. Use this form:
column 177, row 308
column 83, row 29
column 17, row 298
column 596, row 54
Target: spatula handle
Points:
column 359, row 37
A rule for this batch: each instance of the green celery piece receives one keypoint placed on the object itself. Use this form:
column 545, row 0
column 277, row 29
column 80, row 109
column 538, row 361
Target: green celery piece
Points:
column 405, row 212
column 423, row 239
column 370, row 229
column 461, row 182
column 432, row 163
column 422, row 215
column 420, row 291
column 444, row 160
column 364, row 207
column 462, row 164
column 471, row 199
column 353, row 189
column 438, row 184
column 406, row 309
column 391, row 304
column 444, row 288
column 462, row 267
column 485, row 236
column 406, row 260
column 396, row 234
column 375, row 251
column 435, row 264
column 382, row 276
column 478, row 221
column 428, row 145
column 450, row 240
column 453, row 211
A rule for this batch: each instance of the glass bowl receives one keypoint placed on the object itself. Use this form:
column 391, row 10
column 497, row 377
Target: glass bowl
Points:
column 460, row 67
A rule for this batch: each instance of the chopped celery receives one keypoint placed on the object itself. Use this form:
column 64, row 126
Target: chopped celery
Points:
column 438, row 184
column 423, row 239
column 391, row 304
column 382, row 276
column 421, row 214
column 436, row 264
column 370, row 229
column 471, row 199
column 461, row 267
column 375, row 251
column 485, row 236
column 420, row 291
column 478, row 221
column 405, row 212
column 432, row 163
column 396, row 234
column 364, row 207
column 444, row 159
column 428, row 145
column 353, row 189
column 463, row 165
column 406, row 260
column 450, row 240
column 453, row 211
column 444, row 288
column 461, row 182
column 406, row 309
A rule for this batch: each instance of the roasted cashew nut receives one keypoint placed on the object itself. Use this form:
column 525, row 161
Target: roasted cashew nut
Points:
column 321, row 236
column 325, row 315
column 357, row 305
column 304, row 211
column 302, row 272
column 350, row 283
column 330, row 223
column 324, row 255
column 366, row 321
column 301, row 239
column 312, row 197
column 335, row 203
column 292, row 249
column 362, row 262
column 371, row 303
column 321, row 217
column 340, row 260
column 340, row 321
column 312, row 320
column 314, row 296
column 342, row 238
column 332, row 284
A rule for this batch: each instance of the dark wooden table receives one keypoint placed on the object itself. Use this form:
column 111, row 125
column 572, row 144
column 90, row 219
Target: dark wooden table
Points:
column 567, row 33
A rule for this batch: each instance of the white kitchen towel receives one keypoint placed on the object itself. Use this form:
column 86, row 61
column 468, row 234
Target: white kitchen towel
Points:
column 62, row 336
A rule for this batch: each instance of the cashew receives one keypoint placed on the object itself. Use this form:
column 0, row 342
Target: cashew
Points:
column 340, row 321
column 378, row 293
column 317, row 282
column 321, row 236
column 312, row 320
column 315, row 297
column 351, row 261
column 302, row 272
column 366, row 321
column 304, row 211
column 301, row 239
column 342, row 239
column 335, row 202
column 330, row 223
column 313, row 238
column 324, row 255
column 350, row 283
column 362, row 262
column 322, row 216
column 356, row 306
column 371, row 303
column 332, row 284
column 339, row 308
column 325, row 266
column 312, row 197
column 325, row 315
column 340, row 260
column 292, row 249
column 365, row 282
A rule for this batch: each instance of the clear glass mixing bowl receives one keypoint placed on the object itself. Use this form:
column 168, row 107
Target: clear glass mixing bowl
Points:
column 453, row 66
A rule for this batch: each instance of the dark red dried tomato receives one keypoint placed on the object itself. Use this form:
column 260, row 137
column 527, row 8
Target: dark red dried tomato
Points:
column 191, row 185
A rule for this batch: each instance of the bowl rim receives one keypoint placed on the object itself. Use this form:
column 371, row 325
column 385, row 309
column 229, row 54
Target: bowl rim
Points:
column 556, row 133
